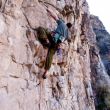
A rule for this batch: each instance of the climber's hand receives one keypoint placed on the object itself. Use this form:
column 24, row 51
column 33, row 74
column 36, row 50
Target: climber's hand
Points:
column 52, row 14
column 49, row 11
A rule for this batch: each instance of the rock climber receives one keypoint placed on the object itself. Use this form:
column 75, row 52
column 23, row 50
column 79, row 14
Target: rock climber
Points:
column 52, row 40
column 58, row 36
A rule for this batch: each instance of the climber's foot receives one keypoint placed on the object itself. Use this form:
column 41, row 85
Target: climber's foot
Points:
column 61, row 63
column 44, row 76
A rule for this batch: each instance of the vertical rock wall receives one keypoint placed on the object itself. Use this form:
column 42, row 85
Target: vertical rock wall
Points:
column 68, row 86
column 100, row 74
column 103, row 41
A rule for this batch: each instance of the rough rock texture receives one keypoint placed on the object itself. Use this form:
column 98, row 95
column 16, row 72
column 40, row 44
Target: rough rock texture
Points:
column 68, row 86
column 99, row 76
column 103, row 41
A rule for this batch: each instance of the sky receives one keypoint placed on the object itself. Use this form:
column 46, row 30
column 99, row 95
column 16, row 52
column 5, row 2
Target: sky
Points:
column 101, row 8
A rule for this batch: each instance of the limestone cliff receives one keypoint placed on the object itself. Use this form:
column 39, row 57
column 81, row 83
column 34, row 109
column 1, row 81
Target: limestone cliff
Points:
column 68, row 86
column 99, row 76
column 103, row 41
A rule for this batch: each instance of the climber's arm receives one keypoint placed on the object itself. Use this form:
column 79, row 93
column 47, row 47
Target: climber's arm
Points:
column 52, row 15
column 68, row 36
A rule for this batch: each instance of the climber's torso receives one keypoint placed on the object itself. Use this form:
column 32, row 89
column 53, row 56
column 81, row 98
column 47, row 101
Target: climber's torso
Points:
column 62, row 29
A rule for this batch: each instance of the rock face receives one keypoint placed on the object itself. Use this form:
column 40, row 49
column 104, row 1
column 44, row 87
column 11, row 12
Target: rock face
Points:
column 100, row 78
column 68, row 86
column 103, row 41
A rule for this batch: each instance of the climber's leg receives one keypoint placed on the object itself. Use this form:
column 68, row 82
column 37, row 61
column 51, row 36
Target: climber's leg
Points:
column 44, row 75
column 43, row 37
column 49, row 60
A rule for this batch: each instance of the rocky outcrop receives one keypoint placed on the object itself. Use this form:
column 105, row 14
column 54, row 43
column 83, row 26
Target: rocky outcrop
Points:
column 103, row 41
column 68, row 85
column 100, row 81
column 99, row 76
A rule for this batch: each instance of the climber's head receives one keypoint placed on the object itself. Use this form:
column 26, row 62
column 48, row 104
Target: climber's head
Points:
column 69, row 25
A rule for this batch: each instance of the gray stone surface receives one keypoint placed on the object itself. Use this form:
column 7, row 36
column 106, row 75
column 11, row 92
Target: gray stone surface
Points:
column 103, row 41
column 68, row 86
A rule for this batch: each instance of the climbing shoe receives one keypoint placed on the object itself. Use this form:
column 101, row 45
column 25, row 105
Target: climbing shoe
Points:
column 44, row 76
